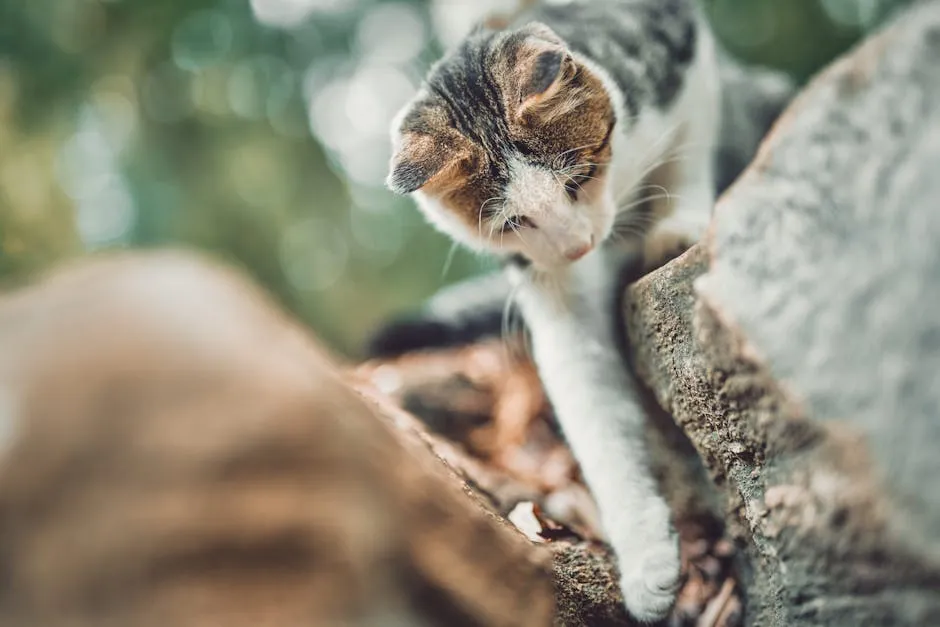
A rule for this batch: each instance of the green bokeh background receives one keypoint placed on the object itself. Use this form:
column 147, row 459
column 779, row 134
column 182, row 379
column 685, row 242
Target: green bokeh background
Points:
column 255, row 130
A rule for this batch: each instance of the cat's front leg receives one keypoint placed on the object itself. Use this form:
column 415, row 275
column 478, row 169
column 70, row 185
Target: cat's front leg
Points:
column 569, row 315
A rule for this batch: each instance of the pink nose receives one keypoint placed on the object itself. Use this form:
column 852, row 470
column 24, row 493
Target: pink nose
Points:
column 576, row 253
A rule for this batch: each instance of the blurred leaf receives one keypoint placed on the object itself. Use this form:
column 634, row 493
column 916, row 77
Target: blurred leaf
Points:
column 188, row 122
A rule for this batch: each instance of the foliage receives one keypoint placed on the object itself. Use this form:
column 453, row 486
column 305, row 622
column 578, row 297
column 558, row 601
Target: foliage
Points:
column 257, row 131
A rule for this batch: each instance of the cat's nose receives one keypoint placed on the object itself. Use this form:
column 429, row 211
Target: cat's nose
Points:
column 573, row 254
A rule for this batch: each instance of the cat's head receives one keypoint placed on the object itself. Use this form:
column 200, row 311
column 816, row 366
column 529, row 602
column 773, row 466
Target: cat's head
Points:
column 506, row 147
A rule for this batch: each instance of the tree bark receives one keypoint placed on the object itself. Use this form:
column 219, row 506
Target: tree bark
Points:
column 176, row 451
column 797, row 346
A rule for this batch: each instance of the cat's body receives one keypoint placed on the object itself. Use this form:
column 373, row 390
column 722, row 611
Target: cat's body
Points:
column 583, row 133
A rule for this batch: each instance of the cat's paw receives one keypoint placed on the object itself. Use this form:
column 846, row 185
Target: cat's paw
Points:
column 651, row 582
column 648, row 557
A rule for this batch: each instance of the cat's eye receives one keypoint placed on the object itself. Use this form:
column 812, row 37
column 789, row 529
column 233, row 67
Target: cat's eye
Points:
column 574, row 183
column 517, row 222
column 573, row 186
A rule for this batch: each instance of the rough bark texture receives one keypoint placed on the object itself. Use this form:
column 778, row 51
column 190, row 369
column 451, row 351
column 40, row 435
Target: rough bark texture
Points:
column 798, row 346
column 491, row 423
column 176, row 452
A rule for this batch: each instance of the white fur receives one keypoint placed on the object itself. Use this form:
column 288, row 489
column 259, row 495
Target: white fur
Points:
column 692, row 186
column 683, row 138
column 595, row 401
column 568, row 315
column 563, row 227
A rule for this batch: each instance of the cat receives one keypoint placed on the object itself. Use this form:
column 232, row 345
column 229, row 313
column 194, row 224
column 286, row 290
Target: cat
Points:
column 578, row 135
column 753, row 97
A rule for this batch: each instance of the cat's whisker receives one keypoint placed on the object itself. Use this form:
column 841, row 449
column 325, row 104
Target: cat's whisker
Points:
column 645, row 173
column 449, row 260
column 582, row 164
column 642, row 220
column 657, row 188
column 638, row 219
column 646, row 199
column 570, row 180
column 512, row 324
column 623, row 235
column 634, row 199
column 630, row 235
column 653, row 148
column 580, row 188
column 559, row 158
column 676, row 154
column 588, row 178
column 480, row 217
column 577, row 166
column 571, row 150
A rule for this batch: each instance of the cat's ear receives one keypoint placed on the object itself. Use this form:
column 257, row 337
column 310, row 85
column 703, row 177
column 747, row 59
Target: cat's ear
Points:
column 424, row 148
column 418, row 158
column 540, row 64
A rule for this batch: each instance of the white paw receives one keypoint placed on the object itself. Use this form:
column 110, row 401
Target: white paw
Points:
column 648, row 557
column 650, row 585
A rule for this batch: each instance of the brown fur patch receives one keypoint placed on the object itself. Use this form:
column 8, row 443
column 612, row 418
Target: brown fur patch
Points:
column 577, row 113
column 428, row 152
column 576, row 116
column 471, row 192
column 570, row 125
column 566, row 127
column 443, row 156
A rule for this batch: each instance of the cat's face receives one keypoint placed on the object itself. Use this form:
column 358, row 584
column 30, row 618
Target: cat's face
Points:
column 506, row 148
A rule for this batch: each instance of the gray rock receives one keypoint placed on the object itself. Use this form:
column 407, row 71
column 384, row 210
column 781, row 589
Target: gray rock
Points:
column 799, row 346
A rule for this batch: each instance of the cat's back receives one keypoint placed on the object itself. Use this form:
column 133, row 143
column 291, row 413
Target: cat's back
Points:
column 578, row 18
column 646, row 46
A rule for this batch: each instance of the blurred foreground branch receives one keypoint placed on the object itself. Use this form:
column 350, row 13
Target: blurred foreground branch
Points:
column 178, row 452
